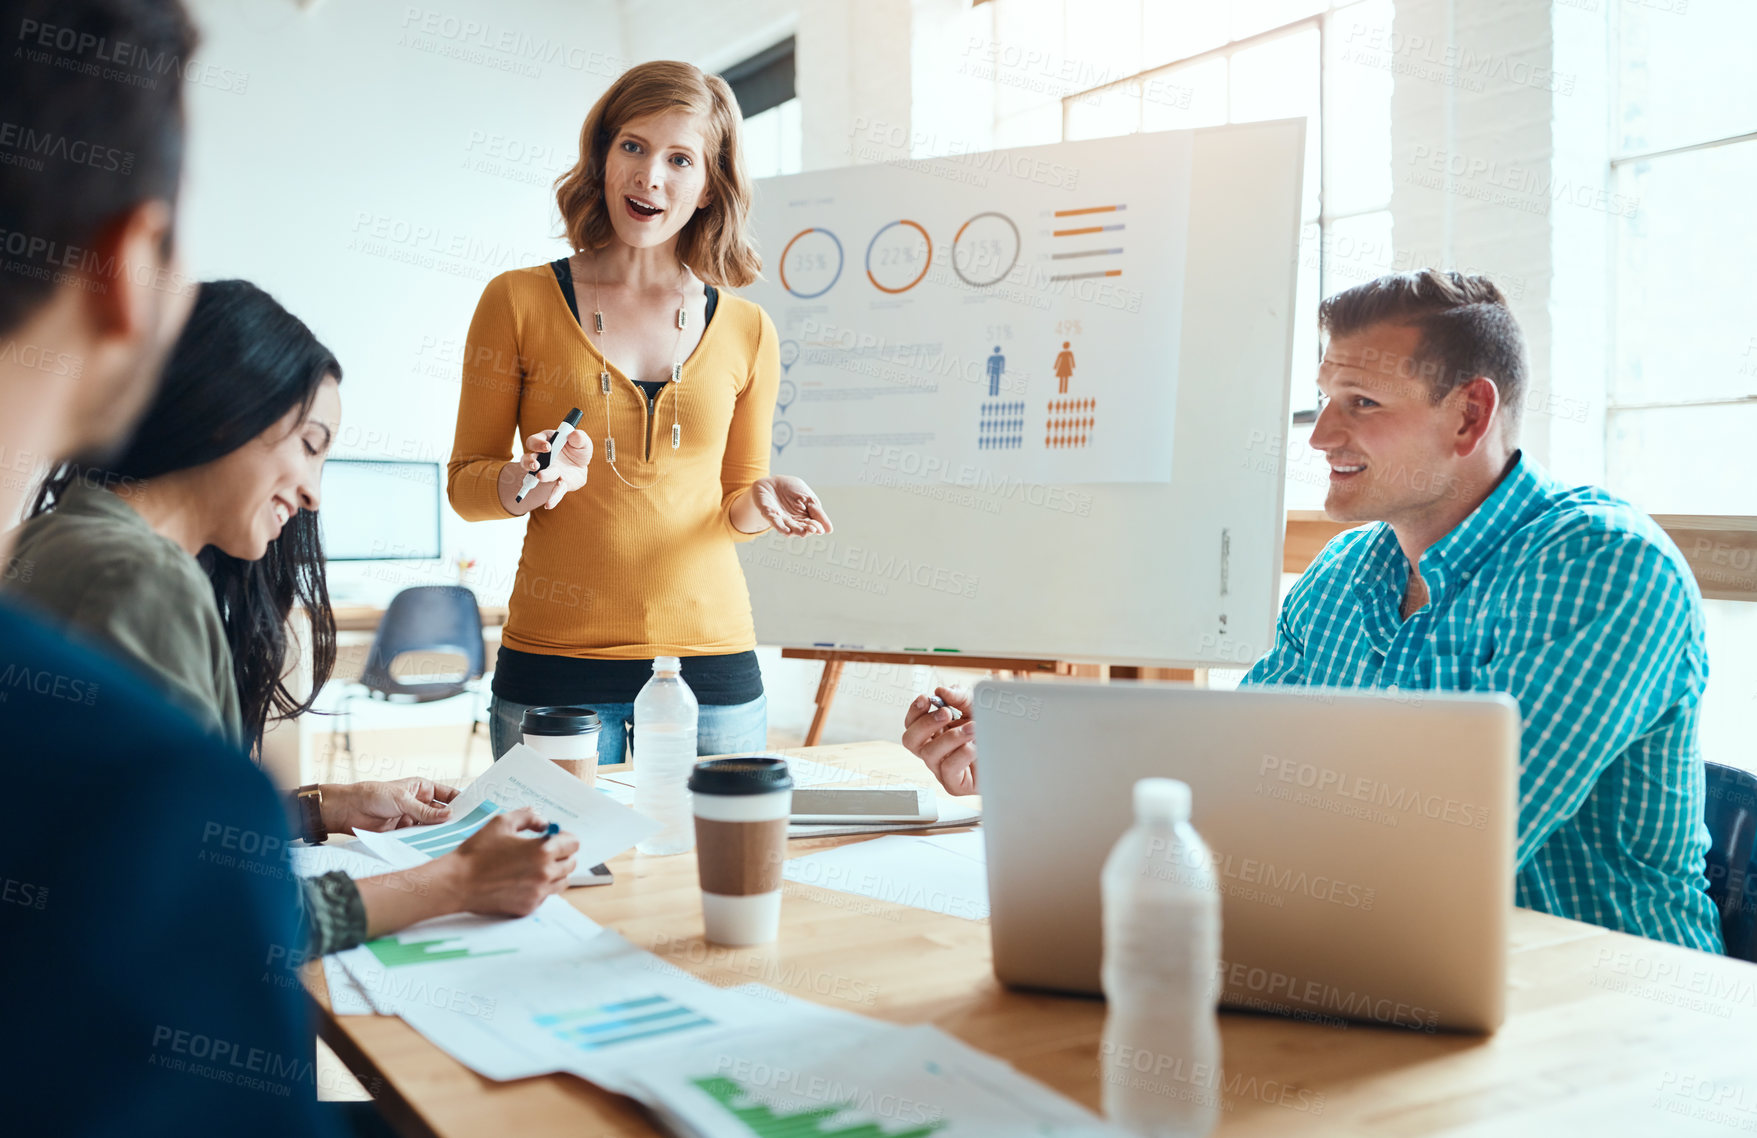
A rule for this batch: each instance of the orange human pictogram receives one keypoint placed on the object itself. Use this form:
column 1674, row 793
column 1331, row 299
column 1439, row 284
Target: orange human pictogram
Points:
column 1064, row 367
column 1069, row 423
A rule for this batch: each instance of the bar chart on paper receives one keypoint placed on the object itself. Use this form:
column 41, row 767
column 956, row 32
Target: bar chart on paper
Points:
column 394, row 952
column 442, row 840
column 625, row 1021
column 764, row 1121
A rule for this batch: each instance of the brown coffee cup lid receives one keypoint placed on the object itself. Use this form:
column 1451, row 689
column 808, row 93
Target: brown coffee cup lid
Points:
column 751, row 774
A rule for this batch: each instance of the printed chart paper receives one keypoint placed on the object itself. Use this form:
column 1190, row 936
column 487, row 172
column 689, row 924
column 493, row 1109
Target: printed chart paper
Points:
column 882, row 1082
column 1008, row 315
column 458, row 962
column 521, row 778
column 345, row 996
column 745, row 1062
column 553, row 992
column 601, row 1012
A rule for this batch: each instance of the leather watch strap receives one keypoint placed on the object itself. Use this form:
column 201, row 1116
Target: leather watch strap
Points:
column 311, row 826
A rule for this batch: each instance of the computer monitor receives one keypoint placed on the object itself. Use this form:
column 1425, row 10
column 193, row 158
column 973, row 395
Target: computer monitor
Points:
column 374, row 510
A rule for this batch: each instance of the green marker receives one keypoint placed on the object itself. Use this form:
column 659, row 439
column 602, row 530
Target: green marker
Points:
column 945, row 649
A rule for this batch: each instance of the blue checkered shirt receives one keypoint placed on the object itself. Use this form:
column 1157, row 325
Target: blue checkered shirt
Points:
column 1579, row 607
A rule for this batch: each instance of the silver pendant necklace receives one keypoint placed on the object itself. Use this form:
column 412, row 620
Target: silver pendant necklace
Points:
column 604, row 383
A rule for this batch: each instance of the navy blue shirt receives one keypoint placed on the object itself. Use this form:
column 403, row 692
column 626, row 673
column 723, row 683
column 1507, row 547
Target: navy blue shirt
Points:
column 148, row 917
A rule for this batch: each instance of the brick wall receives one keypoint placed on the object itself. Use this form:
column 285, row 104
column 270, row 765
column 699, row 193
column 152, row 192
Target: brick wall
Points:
column 1500, row 122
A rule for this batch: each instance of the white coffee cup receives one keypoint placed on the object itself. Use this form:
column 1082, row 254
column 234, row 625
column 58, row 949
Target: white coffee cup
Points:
column 567, row 736
column 741, row 811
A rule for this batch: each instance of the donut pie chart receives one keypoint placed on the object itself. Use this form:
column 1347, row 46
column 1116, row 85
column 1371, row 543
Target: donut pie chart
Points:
column 985, row 249
column 899, row 246
column 811, row 263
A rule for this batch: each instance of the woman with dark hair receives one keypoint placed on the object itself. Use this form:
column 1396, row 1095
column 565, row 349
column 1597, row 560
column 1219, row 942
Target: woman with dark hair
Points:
column 225, row 466
column 186, row 553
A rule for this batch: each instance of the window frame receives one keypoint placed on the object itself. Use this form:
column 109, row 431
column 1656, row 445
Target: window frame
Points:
column 762, row 74
column 1612, row 405
column 1324, row 218
column 1620, row 157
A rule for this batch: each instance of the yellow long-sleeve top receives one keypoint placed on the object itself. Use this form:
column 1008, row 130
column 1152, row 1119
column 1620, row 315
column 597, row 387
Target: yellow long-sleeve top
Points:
column 614, row 572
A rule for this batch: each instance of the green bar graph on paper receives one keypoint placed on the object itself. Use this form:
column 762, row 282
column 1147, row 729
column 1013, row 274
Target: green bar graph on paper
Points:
column 763, row 1122
column 394, row 952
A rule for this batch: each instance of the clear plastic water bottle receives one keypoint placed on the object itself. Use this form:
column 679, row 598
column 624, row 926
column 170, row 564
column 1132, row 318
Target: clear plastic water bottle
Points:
column 1160, row 1059
column 664, row 753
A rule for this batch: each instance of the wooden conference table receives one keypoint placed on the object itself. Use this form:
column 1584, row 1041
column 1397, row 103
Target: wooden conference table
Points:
column 1606, row 1033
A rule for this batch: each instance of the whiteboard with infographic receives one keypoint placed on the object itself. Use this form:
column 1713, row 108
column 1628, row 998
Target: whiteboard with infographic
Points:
column 980, row 309
column 1142, row 528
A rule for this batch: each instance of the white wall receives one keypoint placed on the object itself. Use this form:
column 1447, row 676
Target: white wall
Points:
column 1500, row 128
column 375, row 166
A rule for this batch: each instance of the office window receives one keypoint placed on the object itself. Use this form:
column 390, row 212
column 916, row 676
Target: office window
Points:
column 763, row 85
column 1206, row 65
column 1682, row 407
column 1683, row 385
column 773, row 142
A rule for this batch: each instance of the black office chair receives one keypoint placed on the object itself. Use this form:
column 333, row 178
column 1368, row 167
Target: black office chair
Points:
column 1732, row 857
column 428, row 618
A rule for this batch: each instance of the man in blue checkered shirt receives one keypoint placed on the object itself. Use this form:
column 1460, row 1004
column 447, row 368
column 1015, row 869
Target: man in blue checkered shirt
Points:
column 1566, row 598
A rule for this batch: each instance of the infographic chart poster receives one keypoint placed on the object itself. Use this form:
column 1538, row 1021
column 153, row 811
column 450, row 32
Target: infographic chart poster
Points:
column 1013, row 314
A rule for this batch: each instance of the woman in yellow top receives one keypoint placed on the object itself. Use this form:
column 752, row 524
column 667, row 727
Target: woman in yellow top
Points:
column 676, row 380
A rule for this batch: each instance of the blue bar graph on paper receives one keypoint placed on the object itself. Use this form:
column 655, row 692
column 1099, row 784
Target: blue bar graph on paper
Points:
column 612, row 1025
column 441, row 841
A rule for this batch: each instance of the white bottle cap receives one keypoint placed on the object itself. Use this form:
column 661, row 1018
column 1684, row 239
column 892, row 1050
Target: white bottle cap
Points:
column 667, row 664
column 1162, row 800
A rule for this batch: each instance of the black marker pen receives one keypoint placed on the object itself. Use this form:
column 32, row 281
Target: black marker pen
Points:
column 529, row 481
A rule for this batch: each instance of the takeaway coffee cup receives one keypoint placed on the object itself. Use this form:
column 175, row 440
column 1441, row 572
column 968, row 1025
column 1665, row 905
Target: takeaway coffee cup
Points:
column 741, row 808
column 567, row 736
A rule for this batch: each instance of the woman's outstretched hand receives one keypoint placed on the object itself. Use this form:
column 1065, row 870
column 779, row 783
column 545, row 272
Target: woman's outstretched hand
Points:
column 381, row 806
column 789, row 505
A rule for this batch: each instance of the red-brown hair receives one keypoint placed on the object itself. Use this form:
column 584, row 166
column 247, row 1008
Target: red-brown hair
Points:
column 716, row 243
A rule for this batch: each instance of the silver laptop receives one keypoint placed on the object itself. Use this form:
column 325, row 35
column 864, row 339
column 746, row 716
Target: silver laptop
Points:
column 1363, row 842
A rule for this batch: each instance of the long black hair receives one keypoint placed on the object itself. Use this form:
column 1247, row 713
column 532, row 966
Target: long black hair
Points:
column 241, row 363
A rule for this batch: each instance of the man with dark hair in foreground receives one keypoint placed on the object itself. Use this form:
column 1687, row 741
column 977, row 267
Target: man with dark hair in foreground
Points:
column 1483, row 573
column 149, row 919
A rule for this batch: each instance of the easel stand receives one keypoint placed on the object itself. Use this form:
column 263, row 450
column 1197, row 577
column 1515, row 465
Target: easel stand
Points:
column 1007, row 667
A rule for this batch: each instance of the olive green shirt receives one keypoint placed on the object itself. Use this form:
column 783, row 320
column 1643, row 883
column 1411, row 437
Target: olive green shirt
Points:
column 94, row 564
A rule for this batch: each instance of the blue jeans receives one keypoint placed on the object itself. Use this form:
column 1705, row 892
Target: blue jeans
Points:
column 721, row 729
